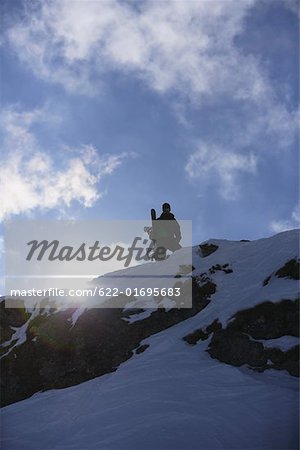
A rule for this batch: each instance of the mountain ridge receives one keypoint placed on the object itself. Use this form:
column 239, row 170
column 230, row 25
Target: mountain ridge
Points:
column 48, row 349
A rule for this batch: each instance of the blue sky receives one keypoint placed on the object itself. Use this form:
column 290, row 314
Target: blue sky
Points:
column 110, row 108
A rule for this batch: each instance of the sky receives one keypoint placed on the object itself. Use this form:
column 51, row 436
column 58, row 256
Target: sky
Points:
column 111, row 108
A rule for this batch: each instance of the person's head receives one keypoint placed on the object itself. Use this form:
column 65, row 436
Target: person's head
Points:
column 166, row 207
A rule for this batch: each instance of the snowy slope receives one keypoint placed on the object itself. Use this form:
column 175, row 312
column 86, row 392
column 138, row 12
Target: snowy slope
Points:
column 251, row 263
column 170, row 397
column 175, row 396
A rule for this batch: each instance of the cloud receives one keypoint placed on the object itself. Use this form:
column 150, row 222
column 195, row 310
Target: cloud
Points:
column 33, row 178
column 188, row 47
column 278, row 226
column 187, row 50
column 211, row 164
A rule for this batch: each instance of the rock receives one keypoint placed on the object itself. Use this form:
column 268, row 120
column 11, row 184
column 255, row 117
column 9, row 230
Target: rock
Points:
column 207, row 249
column 217, row 267
column 236, row 348
column 199, row 334
column 291, row 361
column 290, row 270
column 195, row 336
column 141, row 348
column 266, row 280
column 214, row 326
column 57, row 355
column 267, row 320
column 288, row 360
column 11, row 318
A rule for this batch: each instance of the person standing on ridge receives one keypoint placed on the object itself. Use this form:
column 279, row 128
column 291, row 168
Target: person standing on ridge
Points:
column 168, row 234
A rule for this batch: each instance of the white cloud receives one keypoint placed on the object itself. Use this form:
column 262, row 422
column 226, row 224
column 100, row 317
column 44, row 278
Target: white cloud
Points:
column 184, row 47
column 173, row 44
column 278, row 226
column 187, row 46
column 32, row 178
column 211, row 164
column 296, row 214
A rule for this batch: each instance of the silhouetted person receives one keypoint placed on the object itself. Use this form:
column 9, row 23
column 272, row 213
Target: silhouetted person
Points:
column 167, row 233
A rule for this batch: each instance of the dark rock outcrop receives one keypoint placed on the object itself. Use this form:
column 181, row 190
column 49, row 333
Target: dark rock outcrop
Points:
column 57, row 354
column 290, row 270
column 236, row 348
column 199, row 334
column 281, row 360
column 207, row 249
column 236, row 343
column 141, row 349
column 10, row 318
column 195, row 337
column 222, row 268
column 268, row 320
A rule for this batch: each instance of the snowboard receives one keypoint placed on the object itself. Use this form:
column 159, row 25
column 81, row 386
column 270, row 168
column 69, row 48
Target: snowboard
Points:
column 150, row 230
column 153, row 214
column 153, row 219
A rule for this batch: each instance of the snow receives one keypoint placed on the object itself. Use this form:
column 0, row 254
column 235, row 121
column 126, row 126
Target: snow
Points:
column 172, row 396
column 251, row 263
column 139, row 316
column 20, row 334
column 153, row 275
column 284, row 343
column 76, row 314
column 175, row 396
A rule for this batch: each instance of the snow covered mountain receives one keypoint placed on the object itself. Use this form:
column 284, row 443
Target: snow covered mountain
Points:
column 220, row 375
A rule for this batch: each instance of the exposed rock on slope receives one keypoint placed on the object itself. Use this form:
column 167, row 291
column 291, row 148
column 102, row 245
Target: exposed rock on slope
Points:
column 57, row 354
column 238, row 343
column 45, row 349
